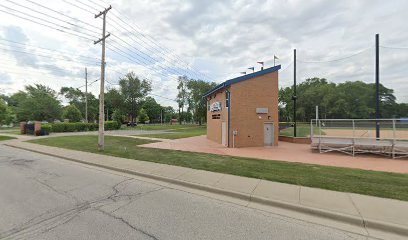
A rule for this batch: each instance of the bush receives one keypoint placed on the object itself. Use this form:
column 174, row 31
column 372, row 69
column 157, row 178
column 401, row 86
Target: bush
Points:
column 79, row 127
column 117, row 116
column 143, row 118
column 112, row 125
column 46, row 127
column 72, row 113
column 58, row 127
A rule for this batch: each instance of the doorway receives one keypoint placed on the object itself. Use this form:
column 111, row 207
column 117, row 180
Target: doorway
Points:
column 269, row 134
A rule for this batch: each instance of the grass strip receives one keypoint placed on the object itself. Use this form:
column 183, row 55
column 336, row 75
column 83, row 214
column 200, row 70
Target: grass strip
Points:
column 374, row 183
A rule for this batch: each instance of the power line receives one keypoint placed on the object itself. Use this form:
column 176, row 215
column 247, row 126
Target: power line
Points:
column 117, row 84
column 89, row 84
column 47, row 15
column 334, row 60
column 48, row 49
column 83, row 3
column 163, row 97
column 45, row 56
column 390, row 47
column 135, row 60
column 149, row 61
column 60, row 13
column 83, row 9
column 44, row 20
column 149, row 47
column 45, row 25
column 35, row 68
column 153, row 41
column 37, row 75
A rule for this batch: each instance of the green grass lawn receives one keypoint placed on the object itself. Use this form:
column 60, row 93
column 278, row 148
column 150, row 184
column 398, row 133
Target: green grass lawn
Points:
column 3, row 138
column 381, row 184
column 160, row 127
column 181, row 133
column 14, row 132
column 9, row 128
column 302, row 130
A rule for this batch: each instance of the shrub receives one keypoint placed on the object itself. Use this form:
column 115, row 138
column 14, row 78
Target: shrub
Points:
column 80, row 127
column 58, row 127
column 72, row 113
column 112, row 125
column 46, row 127
column 117, row 116
column 143, row 118
column 93, row 126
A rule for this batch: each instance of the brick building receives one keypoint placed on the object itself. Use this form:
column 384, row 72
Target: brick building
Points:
column 243, row 112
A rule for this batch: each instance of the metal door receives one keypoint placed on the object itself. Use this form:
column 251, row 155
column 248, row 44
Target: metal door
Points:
column 224, row 133
column 268, row 134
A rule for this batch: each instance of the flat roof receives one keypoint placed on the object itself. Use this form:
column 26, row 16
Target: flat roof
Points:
column 242, row 78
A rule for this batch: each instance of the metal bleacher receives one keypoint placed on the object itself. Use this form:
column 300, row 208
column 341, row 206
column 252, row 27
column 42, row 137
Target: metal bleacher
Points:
column 357, row 136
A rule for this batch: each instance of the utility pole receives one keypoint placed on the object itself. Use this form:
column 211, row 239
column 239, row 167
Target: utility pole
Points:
column 294, row 97
column 86, row 95
column 161, row 116
column 101, row 140
column 377, row 85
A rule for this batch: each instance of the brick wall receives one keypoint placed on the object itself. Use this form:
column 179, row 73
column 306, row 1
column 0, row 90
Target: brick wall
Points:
column 246, row 96
column 214, row 125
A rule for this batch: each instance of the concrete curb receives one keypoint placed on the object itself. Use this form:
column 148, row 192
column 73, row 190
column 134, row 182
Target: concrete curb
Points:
column 349, row 219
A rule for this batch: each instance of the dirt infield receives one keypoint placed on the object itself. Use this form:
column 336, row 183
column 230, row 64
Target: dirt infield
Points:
column 387, row 134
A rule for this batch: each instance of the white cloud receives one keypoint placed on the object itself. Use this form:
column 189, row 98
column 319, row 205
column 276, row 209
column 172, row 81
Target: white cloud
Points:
column 218, row 38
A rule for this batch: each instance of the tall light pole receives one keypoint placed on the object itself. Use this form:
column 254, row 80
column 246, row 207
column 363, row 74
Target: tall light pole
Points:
column 294, row 97
column 377, row 85
column 101, row 139
column 86, row 95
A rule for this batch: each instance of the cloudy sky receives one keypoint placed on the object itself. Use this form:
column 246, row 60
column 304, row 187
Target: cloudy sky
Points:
column 51, row 42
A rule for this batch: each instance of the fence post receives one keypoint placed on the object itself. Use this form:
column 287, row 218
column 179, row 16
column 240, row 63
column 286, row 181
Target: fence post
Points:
column 394, row 136
column 311, row 128
column 354, row 129
column 320, row 127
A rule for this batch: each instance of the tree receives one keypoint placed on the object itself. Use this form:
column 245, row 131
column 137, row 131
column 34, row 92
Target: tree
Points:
column 169, row 114
column 114, row 100
column 38, row 102
column 182, row 96
column 77, row 98
column 72, row 113
column 117, row 116
column 143, row 118
column 6, row 113
column 337, row 101
column 197, row 104
column 133, row 91
column 152, row 108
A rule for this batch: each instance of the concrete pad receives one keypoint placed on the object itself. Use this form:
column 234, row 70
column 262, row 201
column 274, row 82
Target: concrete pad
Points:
column 201, row 177
column 288, row 152
column 237, row 184
column 329, row 200
column 278, row 191
column 170, row 171
column 386, row 210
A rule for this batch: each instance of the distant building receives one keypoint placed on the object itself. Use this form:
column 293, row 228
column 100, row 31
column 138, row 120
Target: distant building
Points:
column 243, row 112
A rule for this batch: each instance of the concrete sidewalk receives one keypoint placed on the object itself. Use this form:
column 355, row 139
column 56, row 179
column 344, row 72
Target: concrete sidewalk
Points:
column 367, row 215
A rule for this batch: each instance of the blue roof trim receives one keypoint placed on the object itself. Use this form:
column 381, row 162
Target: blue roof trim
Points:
column 242, row 78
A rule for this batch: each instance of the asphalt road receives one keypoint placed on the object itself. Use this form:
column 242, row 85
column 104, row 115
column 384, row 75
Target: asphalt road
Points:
column 43, row 197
